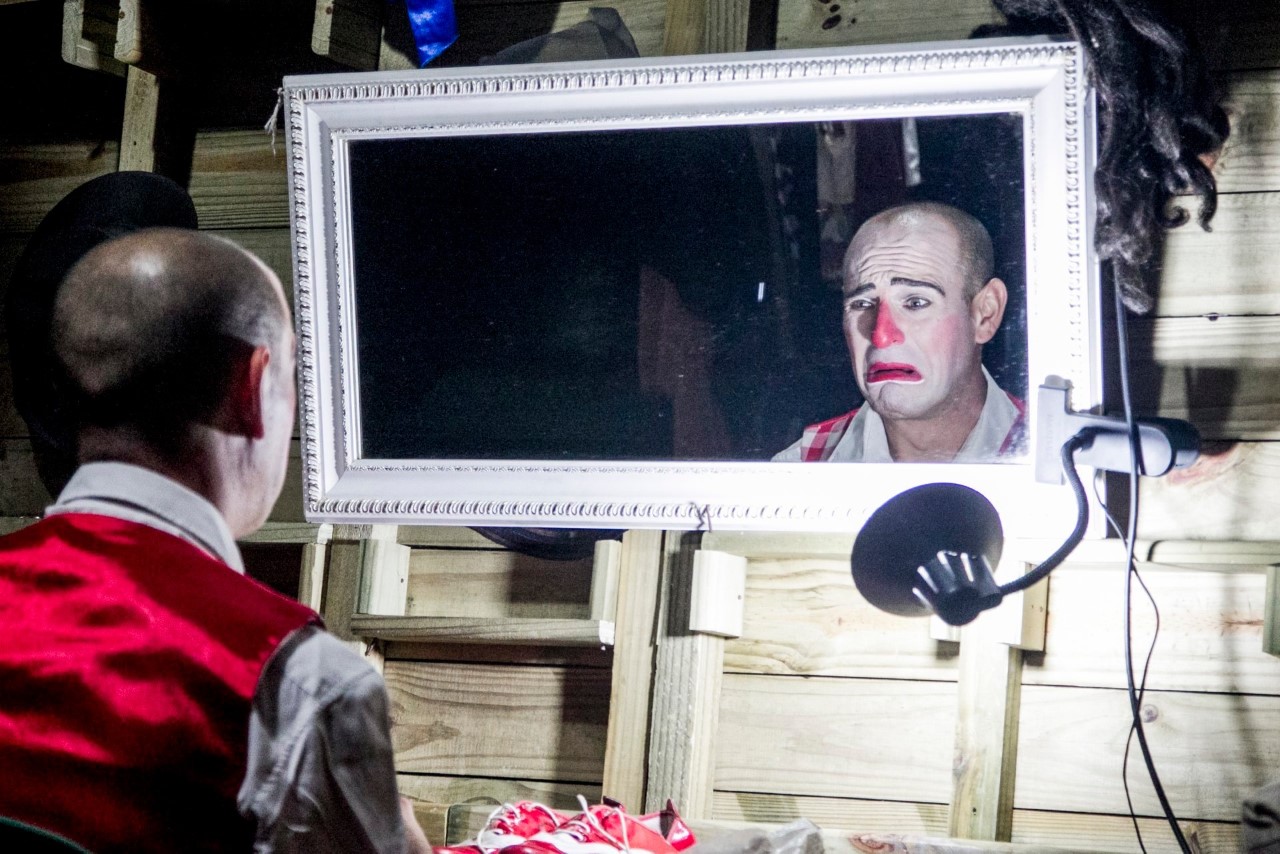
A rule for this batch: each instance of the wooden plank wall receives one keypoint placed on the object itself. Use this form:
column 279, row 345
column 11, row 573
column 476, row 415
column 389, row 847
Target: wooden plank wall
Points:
column 851, row 714
column 476, row 725
column 830, row 709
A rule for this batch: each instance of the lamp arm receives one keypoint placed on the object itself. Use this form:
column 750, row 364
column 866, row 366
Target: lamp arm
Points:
column 1069, row 448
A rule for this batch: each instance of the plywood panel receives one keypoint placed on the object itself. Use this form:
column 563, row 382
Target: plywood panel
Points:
column 498, row 583
column 1211, row 750
column 868, row 738
column 804, row 616
column 1231, row 493
column 1210, row 630
column 544, row 723
column 811, row 23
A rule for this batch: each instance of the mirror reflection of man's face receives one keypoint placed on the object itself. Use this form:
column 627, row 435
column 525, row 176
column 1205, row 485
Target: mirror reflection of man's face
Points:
column 912, row 336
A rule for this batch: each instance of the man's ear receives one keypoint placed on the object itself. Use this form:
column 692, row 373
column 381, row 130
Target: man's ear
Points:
column 987, row 308
column 242, row 412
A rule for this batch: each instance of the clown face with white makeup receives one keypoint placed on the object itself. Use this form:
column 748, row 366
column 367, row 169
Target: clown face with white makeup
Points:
column 919, row 302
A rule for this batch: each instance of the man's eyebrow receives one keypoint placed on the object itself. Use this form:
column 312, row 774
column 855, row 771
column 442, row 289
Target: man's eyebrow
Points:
column 897, row 280
column 917, row 283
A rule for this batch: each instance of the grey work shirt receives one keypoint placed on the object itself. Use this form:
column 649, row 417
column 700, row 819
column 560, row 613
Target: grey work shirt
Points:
column 320, row 772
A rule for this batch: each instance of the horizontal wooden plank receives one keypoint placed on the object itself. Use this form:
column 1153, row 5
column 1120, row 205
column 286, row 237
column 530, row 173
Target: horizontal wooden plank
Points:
column 1084, row 831
column 1211, row 750
column 497, row 584
column 861, row 738
column 1250, row 162
column 852, row 814
column 1223, row 403
column 541, row 723
column 1210, row 630
column 1213, row 341
column 805, row 616
column 1229, row 270
column 237, row 181
column 273, row 245
column 766, row 545
column 1072, row 831
column 443, row 537
column 500, row 654
column 737, row 836
column 811, row 23
column 22, row 494
column 1239, row 34
column 33, row 178
column 1231, row 493
column 531, row 631
column 290, row 532
column 452, row 809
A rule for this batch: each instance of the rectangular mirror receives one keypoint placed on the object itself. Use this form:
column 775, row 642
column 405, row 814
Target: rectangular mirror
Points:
column 623, row 294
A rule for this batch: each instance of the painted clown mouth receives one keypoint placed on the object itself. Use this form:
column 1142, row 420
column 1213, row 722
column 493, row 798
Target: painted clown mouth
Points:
column 887, row 372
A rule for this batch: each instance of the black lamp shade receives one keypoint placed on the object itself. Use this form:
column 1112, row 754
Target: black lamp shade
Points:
column 909, row 531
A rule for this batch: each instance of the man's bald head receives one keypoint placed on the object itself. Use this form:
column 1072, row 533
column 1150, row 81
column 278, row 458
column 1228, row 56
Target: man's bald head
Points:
column 977, row 258
column 148, row 328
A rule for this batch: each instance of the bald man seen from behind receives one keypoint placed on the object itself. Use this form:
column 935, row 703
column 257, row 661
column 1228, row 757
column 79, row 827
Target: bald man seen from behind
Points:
column 155, row 698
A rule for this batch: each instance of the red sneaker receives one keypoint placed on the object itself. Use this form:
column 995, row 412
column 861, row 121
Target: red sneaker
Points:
column 607, row 829
column 509, row 824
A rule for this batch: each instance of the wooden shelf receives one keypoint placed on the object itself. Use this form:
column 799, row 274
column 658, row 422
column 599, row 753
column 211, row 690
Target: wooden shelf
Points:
column 520, row 631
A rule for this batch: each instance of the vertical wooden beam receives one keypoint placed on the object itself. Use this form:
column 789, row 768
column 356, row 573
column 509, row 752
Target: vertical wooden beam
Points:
column 705, row 26
column 311, row 578
column 367, row 572
column 384, row 573
column 990, row 692
column 349, row 31
column 1271, row 613
column 89, row 34
column 686, row 697
column 635, row 619
column 145, row 39
column 138, row 132
column 606, row 569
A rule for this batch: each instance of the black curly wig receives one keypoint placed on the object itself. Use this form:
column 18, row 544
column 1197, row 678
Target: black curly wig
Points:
column 1159, row 117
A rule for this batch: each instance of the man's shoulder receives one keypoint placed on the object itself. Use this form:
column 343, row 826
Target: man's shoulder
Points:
column 315, row 663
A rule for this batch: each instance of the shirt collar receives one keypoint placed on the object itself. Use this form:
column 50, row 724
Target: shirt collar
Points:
column 139, row 494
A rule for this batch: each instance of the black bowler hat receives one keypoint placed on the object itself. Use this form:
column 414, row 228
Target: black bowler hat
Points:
column 96, row 211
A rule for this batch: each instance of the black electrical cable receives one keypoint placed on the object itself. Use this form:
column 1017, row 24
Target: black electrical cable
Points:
column 1135, row 462
column 1146, row 666
column 1082, row 519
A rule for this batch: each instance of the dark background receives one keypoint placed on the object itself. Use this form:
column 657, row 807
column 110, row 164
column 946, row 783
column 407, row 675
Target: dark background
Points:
column 599, row 295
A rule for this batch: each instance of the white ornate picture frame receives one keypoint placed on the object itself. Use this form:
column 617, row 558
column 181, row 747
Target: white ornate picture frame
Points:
column 1039, row 81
